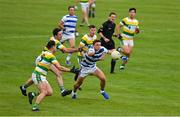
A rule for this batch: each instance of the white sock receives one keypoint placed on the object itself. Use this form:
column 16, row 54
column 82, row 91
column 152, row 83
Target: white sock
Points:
column 74, row 93
column 69, row 57
column 102, row 91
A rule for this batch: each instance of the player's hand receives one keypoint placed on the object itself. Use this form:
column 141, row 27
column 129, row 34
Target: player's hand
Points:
column 119, row 36
column 106, row 39
column 80, row 49
column 137, row 30
column 75, row 70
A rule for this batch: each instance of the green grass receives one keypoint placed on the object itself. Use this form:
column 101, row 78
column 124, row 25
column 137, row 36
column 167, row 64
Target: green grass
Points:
column 150, row 85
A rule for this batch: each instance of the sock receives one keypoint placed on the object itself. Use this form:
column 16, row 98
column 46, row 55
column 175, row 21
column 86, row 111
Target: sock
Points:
column 113, row 63
column 102, row 91
column 61, row 88
column 74, row 93
column 35, row 94
column 89, row 13
column 93, row 12
column 124, row 58
column 35, row 105
column 69, row 57
column 24, row 86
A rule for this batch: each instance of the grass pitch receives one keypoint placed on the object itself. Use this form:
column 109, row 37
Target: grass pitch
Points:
column 149, row 85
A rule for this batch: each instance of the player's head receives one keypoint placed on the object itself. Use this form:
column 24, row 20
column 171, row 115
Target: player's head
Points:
column 71, row 10
column 57, row 33
column 51, row 45
column 92, row 30
column 132, row 12
column 97, row 44
column 112, row 16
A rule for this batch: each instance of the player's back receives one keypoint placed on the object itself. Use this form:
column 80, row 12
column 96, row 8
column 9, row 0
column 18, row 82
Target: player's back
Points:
column 43, row 66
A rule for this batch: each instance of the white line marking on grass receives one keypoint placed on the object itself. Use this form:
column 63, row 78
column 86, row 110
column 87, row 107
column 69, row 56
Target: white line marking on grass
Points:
column 23, row 36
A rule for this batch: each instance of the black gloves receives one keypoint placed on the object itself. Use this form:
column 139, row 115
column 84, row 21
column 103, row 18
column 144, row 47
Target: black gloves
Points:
column 75, row 70
column 118, row 36
column 80, row 49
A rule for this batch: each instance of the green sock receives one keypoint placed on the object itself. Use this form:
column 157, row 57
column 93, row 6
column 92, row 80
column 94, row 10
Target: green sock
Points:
column 61, row 88
column 35, row 94
column 35, row 105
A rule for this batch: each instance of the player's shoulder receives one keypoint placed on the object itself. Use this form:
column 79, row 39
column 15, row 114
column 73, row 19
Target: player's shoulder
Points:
column 125, row 19
column 52, row 38
column 135, row 20
column 48, row 54
column 95, row 37
column 85, row 37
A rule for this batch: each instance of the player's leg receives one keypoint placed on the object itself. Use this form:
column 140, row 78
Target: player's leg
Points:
column 113, row 62
column 82, row 74
column 72, row 45
column 59, row 80
column 23, row 87
column 93, row 9
column 85, row 9
column 77, row 86
column 99, row 74
column 90, row 11
column 127, row 50
column 42, row 87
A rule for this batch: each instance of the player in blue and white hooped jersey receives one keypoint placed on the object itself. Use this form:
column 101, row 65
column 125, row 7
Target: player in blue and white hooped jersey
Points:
column 88, row 67
column 68, row 24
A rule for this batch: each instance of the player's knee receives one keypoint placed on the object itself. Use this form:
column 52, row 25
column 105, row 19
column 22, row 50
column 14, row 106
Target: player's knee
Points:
column 44, row 92
column 127, row 51
column 49, row 93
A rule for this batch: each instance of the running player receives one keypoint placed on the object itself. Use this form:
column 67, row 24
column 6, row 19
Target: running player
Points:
column 68, row 24
column 85, row 10
column 130, row 28
column 40, row 72
column 106, row 32
column 57, row 34
column 88, row 67
column 87, row 41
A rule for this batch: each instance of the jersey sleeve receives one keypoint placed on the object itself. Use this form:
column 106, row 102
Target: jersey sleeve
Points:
column 123, row 22
column 105, row 50
column 83, row 41
column 63, row 19
column 102, row 27
column 60, row 46
column 52, row 59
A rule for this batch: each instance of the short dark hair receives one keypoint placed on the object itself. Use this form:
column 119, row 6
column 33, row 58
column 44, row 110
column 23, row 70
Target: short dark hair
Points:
column 50, row 44
column 112, row 13
column 69, row 7
column 55, row 31
column 131, row 9
column 92, row 26
column 96, row 41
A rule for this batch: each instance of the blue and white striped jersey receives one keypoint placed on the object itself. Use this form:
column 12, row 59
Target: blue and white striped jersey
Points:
column 69, row 24
column 90, row 61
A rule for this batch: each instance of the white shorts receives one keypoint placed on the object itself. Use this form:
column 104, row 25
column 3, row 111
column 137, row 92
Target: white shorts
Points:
column 128, row 43
column 38, row 78
column 85, row 71
column 66, row 37
column 85, row 6
column 93, row 5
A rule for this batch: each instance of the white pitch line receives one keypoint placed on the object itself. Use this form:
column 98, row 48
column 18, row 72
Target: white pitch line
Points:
column 23, row 36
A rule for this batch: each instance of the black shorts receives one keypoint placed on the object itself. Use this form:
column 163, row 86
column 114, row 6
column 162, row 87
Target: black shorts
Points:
column 108, row 45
